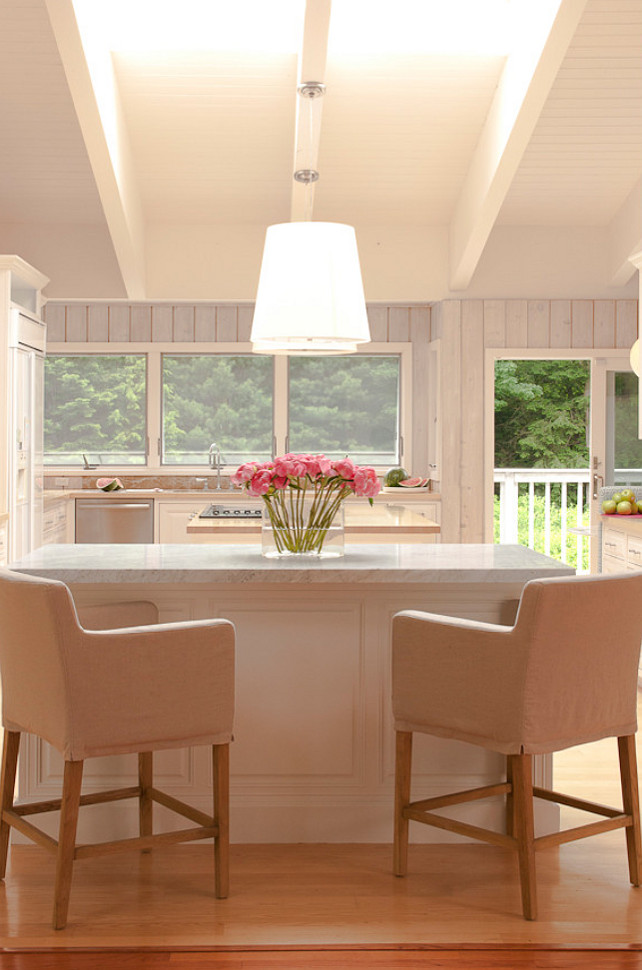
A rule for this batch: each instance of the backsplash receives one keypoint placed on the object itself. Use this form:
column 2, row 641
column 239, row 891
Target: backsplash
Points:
column 56, row 480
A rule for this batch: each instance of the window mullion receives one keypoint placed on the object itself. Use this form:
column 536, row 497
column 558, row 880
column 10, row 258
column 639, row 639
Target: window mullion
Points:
column 280, row 404
column 154, row 409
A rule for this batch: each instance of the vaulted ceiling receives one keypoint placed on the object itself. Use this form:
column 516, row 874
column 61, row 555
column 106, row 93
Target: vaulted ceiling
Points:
column 154, row 174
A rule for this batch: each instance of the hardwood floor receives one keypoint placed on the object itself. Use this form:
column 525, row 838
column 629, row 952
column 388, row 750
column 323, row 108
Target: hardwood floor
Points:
column 299, row 895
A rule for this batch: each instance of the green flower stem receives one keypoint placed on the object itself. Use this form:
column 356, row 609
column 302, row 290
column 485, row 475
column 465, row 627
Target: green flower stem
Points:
column 298, row 528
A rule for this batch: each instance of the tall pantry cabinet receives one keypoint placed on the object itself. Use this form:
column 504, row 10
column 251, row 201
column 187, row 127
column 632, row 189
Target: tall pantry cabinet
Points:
column 22, row 348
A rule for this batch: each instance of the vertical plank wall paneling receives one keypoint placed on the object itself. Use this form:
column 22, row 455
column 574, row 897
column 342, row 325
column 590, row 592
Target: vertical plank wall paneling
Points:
column 472, row 419
column 516, row 323
column 451, row 418
column 419, row 336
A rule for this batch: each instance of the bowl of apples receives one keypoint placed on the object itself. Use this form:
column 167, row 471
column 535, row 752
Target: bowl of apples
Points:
column 622, row 502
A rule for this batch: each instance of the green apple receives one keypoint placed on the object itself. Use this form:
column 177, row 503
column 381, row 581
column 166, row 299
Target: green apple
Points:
column 609, row 506
column 617, row 498
column 627, row 495
column 625, row 508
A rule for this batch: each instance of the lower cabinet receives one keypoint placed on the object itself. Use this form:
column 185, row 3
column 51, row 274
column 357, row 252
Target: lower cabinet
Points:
column 622, row 550
column 57, row 522
column 621, row 544
column 173, row 518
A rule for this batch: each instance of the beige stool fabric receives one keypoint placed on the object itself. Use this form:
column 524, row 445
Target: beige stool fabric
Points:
column 111, row 691
column 564, row 674
column 112, row 616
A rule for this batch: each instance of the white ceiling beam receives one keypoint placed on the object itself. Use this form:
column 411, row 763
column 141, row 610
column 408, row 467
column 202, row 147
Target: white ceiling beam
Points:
column 625, row 237
column 527, row 78
column 312, row 65
column 92, row 82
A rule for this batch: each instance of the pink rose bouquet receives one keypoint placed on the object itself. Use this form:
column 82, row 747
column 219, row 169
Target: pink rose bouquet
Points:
column 302, row 494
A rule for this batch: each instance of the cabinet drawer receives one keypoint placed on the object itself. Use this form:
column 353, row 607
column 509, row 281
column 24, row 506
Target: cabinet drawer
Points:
column 612, row 565
column 614, row 544
column 634, row 555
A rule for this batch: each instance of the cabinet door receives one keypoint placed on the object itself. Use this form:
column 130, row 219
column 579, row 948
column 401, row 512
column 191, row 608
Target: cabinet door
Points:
column 173, row 518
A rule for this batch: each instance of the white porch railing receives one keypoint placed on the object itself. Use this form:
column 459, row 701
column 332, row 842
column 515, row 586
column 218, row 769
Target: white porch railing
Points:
column 535, row 509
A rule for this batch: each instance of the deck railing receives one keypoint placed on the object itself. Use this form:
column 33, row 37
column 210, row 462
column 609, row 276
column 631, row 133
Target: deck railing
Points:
column 546, row 509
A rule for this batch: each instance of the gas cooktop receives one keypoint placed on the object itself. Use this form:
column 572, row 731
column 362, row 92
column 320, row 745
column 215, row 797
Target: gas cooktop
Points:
column 229, row 512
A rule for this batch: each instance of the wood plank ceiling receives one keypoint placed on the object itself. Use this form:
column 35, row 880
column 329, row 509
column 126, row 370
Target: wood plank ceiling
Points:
column 407, row 139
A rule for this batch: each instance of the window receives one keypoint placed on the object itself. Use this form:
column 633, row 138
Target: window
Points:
column 225, row 399
column 161, row 408
column 345, row 406
column 95, row 407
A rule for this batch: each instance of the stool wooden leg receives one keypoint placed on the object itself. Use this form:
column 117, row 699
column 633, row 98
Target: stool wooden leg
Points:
column 522, row 775
column 221, row 765
column 403, row 763
column 145, row 803
column 7, row 786
column 510, row 799
column 67, row 841
column 631, row 802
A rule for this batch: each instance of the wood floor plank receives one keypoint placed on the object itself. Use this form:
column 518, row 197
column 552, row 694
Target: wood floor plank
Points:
column 328, row 959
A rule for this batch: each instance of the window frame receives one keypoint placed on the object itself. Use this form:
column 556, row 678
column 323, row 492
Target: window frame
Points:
column 154, row 353
column 95, row 352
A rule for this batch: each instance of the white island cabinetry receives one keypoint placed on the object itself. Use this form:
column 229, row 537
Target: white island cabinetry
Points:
column 313, row 755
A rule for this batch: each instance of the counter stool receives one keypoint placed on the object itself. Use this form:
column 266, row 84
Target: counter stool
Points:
column 110, row 691
column 564, row 674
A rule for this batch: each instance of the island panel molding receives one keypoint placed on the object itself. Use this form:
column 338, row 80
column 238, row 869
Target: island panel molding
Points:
column 312, row 759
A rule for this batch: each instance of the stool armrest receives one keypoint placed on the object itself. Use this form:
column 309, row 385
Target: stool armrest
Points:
column 457, row 678
column 150, row 684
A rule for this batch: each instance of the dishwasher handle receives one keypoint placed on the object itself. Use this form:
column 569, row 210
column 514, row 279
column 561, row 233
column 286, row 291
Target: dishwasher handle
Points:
column 89, row 504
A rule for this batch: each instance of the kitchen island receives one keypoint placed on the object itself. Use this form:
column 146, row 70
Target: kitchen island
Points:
column 313, row 755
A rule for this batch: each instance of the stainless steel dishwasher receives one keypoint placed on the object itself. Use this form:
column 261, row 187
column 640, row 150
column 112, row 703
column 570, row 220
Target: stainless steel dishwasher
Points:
column 114, row 520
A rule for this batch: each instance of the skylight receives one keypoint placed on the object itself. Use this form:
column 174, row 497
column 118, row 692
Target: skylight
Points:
column 179, row 25
column 357, row 26
column 421, row 26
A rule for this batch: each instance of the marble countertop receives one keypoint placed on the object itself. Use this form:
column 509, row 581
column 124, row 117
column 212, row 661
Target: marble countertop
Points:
column 392, row 563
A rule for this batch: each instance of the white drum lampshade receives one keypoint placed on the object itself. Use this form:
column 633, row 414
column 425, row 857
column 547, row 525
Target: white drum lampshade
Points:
column 310, row 296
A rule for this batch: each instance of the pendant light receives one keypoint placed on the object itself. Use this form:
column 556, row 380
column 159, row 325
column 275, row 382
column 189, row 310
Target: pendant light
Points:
column 310, row 297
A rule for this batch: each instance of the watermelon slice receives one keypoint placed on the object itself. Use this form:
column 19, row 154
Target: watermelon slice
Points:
column 413, row 482
column 109, row 484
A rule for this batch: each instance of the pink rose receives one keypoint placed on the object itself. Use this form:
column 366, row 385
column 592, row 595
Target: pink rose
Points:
column 325, row 465
column 366, row 482
column 344, row 467
column 244, row 473
column 260, row 483
column 312, row 466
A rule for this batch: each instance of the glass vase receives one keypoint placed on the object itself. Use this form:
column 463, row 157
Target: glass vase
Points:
column 304, row 530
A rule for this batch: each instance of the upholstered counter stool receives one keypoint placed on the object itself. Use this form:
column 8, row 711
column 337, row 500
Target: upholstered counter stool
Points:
column 111, row 691
column 564, row 674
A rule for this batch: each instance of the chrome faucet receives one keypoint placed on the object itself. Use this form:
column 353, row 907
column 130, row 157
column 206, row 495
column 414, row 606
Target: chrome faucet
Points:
column 215, row 462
